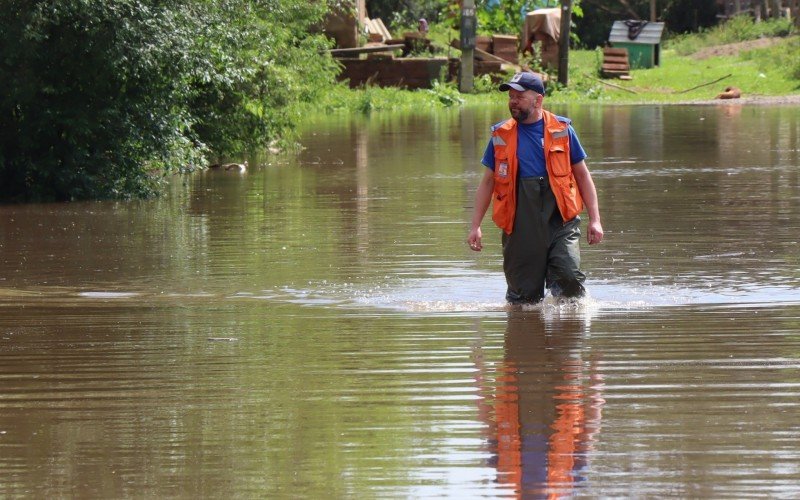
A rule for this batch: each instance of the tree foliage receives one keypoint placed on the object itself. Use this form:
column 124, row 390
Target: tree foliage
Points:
column 406, row 13
column 103, row 98
column 507, row 16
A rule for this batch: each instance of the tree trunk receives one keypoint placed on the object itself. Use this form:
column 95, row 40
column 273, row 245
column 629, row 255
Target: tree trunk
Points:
column 776, row 9
column 737, row 7
column 563, row 42
column 796, row 13
column 652, row 10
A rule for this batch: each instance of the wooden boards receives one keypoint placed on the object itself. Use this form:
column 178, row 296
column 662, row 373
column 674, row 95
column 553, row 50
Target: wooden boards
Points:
column 615, row 63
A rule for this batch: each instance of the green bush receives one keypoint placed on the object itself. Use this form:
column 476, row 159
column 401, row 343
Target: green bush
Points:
column 784, row 57
column 255, row 63
column 446, row 93
column 87, row 107
column 103, row 99
column 484, row 84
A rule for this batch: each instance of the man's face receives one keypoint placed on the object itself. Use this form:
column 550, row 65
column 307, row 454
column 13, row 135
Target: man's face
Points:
column 522, row 104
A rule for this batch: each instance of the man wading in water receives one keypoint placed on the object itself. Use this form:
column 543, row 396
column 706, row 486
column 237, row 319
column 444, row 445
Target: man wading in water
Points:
column 538, row 183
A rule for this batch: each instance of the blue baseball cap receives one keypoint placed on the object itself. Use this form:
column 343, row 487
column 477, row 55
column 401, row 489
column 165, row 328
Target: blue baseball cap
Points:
column 524, row 81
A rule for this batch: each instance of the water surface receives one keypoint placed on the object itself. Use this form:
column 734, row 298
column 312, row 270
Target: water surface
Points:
column 318, row 327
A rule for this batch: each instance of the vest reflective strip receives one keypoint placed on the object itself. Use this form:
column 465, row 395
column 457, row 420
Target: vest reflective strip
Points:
column 498, row 141
column 562, row 133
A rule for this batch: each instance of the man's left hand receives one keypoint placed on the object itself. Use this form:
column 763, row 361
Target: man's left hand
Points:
column 594, row 233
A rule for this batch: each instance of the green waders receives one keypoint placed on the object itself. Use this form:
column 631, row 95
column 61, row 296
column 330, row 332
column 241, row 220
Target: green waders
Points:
column 541, row 250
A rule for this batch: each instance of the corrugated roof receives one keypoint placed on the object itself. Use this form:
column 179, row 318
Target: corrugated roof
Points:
column 650, row 34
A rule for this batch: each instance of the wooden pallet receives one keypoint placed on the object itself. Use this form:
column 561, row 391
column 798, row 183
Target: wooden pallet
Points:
column 615, row 63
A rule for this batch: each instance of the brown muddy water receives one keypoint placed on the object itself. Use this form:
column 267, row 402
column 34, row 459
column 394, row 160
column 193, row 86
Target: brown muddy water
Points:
column 317, row 327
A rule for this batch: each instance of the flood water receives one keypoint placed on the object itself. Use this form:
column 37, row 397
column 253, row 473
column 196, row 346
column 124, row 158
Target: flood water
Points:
column 317, row 327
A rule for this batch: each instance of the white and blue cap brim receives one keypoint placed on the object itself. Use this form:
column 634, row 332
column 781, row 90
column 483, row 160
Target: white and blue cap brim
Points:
column 505, row 86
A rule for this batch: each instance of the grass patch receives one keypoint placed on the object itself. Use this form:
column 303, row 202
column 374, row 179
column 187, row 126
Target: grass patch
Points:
column 737, row 29
column 786, row 56
column 771, row 71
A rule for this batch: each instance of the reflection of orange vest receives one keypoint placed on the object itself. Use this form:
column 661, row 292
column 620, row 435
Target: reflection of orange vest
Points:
column 566, row 441
column 509, row 441
column 557, row 162
column 569, row 427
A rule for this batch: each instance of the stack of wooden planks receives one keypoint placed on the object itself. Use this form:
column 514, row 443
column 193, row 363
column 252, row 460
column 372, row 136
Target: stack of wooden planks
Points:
column 377, row 30
column 494, row 62
column 615, row 64
column 505, row 47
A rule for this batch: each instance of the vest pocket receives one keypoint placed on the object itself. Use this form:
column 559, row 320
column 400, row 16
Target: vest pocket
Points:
column 558, row 159
column 501, row 211
column 502, row 199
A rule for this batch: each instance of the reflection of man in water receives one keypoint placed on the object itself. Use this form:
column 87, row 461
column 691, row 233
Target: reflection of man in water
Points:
column 547, row 407
column 537, row 182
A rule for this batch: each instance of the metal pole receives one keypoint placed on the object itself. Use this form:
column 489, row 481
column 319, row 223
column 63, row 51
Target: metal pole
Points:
column 468, row 32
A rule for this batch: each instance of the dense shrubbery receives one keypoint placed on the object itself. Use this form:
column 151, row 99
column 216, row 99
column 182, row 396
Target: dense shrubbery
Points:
column 102, row 99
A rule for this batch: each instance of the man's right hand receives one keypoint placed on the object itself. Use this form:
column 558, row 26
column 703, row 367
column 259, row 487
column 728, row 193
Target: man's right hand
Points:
column 474, row 239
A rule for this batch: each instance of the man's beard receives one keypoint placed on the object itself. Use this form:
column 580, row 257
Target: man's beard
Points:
column 520, row 114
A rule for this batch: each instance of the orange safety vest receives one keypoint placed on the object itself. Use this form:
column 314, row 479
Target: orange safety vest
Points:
column 557, row 162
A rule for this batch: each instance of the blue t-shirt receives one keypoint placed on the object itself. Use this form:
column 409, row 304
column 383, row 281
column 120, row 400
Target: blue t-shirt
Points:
column 530, row 149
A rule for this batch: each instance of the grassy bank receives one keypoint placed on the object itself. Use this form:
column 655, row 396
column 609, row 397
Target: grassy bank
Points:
column 763, row 60
column 759, row 69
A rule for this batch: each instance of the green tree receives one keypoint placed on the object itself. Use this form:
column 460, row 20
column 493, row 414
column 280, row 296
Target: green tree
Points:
column 507, row 16
column 254, row 62
column 406, row 13
column 689, row 16
column 89, row 98
column 104, row 98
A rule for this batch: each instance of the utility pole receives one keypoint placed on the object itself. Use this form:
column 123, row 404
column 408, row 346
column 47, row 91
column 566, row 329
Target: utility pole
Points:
column 563, row 42
column 469, row 25
column 653, row 11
